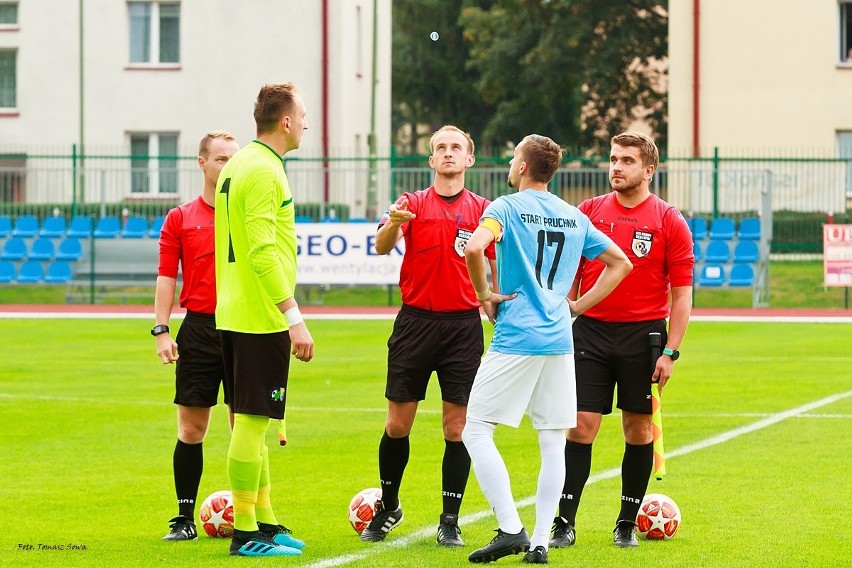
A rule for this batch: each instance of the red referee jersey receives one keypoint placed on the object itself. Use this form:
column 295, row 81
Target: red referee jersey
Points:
column 434, row 275
column 187, row 240
column 657, row 240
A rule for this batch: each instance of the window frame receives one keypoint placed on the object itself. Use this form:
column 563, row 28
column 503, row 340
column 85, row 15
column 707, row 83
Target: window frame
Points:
column 153, row 25
column 154, row 175
column 844, row 150
column 11, row 26
column 6, row 109
column 844, row 33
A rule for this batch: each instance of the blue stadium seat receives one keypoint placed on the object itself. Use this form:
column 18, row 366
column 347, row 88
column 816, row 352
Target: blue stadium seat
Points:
column 5, row 226
column 69, row 249
column 42, row 249
column 135, row 228
column 304, row 219
column 53, row 227
column 14, row 249
column 81, row 227
column 7, row 271
column 741, row 275
column 31, row 271
column 358, row 220
column 712, row 275
column 156, row 227
column 718, row 252
column 329, row 220
column 25, row 226
column 59, row 271
column 107, row 228
column 722, row 229
column 696, row 251
column 698, row 226
column 749, row 229
column 746, row 251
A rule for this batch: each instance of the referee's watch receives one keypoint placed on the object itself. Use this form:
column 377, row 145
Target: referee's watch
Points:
column 673, row 353
column 159, row 329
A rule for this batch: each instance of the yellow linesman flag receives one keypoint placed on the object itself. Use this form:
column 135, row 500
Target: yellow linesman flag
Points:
column 282, row 431
column 657, row 420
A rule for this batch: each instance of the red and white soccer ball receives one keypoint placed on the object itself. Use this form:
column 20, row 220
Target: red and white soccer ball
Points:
column 217, row 514
column 658, row 518
column 362, row 507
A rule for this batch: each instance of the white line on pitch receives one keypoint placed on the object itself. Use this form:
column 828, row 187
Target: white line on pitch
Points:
column 296, row 408
column 293, row 408
column 424, row 533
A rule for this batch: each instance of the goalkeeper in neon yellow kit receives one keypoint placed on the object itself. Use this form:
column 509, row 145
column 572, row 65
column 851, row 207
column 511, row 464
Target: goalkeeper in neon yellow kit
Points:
column 256, row 312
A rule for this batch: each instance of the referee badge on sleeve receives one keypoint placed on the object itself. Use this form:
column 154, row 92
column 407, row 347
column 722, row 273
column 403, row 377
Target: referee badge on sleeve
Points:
column 641, row 245
column 462, row 236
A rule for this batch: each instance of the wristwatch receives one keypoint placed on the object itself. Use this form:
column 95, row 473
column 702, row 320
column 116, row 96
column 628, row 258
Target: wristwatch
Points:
column 158, row 329
column 673, row 353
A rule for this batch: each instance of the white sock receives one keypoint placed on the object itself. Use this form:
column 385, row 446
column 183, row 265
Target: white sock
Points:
column 492, row 475
column 551, row 478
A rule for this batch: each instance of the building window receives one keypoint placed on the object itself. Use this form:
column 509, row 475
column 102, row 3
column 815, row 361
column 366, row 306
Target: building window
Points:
column 846, row 32
column 844, row 150
column 154, row 32
column 8, row 14
column 8, row 78
column 153, row 163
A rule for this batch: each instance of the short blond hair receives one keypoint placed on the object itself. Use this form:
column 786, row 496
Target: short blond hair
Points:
column 451, row 128
column 204, row 145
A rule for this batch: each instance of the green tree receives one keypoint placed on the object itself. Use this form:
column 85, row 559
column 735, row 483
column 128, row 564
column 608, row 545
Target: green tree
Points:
column 431, row 83
column 625, row 76
column 576, row 70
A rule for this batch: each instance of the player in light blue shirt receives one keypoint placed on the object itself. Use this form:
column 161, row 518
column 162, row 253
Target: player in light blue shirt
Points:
column 529, row 367
column 542, row 240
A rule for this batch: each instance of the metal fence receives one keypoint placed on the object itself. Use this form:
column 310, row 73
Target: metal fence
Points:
column 807, row 192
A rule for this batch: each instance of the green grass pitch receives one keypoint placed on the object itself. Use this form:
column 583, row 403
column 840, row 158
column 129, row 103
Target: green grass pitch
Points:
column 757, row 421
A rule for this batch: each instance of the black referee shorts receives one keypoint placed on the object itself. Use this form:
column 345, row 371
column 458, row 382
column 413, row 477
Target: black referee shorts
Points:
column 614, row 355
column 199, row 369
column 257, row 368
column 447, row 343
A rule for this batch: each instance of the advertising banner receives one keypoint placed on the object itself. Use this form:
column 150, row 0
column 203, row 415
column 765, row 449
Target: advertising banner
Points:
column 344, row 253
column 837, row 255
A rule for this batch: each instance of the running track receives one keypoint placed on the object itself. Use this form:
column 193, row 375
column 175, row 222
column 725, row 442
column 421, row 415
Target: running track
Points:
column 16, row 311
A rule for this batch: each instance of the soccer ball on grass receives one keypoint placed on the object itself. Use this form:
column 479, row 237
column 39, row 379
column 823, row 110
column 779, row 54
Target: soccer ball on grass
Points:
column 362, row 507
column 658, row 517
column 217, row 514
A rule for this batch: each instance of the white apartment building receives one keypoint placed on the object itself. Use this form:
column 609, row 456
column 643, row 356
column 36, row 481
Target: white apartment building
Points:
column 148, row 78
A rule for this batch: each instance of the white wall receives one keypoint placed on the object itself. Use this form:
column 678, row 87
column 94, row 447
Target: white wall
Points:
column 769, row 76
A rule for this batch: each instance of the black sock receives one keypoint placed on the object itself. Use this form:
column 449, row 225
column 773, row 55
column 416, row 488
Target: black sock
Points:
column 635, row 472
column 578, row 465
column 188, row 461
column 455, row 469
column 393, row 457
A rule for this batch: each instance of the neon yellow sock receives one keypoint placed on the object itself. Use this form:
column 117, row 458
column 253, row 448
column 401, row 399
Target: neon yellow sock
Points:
column 245, row 462
column 263, row 509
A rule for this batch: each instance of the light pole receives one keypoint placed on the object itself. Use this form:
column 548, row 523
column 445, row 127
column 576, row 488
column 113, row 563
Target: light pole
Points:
column 371, row 137
column 82, row 149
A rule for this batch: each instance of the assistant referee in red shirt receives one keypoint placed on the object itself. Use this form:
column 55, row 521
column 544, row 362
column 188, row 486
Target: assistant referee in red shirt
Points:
column 186, row 243
column 611, row 345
